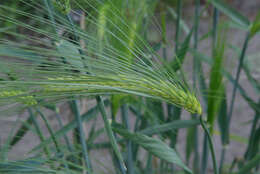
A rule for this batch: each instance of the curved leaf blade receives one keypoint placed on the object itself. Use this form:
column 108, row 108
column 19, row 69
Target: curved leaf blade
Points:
column 154, row 146
column 231, row 12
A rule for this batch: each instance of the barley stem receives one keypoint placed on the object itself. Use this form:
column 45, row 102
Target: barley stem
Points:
column 110, row 133
column 211, row 146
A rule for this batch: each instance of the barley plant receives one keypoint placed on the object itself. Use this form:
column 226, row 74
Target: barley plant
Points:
column 101, row 86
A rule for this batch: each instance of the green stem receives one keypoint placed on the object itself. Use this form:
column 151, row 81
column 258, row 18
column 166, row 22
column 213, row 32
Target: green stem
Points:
column 222, row 157
column 251, row 164
column 60, row 153
column 82, row 136
column 64, row 159
column 21, row 132
column 162, row 164
column 195, row 46
column 130, row 165
column 241, row 60
column 39, row 133
column 173, row 111
column 195, row 74
column 214, row 31
column 211, row 146
column 49, row 6
column 250, row 152
column 233, row 164
column 138, row 112
column 50, row 130
column 66, row 139
column 149, row 166
column 110, row 133
column 177, row 33
column 196, row 150
column 114, row 157
column 204, row 162
column 74, row 102
column 104, row 116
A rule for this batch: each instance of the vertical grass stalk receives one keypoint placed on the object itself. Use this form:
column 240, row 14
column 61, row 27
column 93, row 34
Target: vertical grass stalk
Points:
column 176, row 111
column 130, row 163
column 39, row 132
column 241, row 60
column 178, row 28
column 149, row 166
column 50, row 131
column 82, row 136
column 204, row 162
column 66, row 139
column 195, row 74
column 211, row 146
column 49, row 7
column 214, row 28
column 57, row 146
column 251, row 147
column 195, row 46
column 230, row 112
column 104, row 116
column 110, row 134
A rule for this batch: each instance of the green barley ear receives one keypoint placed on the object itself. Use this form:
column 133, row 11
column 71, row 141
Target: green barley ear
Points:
column 163, row 90
column 63, row 6
column 43, row 73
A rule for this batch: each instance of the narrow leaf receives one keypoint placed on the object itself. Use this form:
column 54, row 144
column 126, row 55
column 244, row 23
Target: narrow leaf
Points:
column 181, row 53
column 169, row 126
column 250, row 165
column 230, row 12
column 154, row 146
column 255, row 28
column 90, row 114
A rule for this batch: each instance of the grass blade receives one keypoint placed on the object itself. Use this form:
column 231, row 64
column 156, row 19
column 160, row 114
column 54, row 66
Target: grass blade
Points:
column 21, row 132
column 183, row 25
column 181, row 52
column 110, row 133
column 39, row 132
column 254, row 138
column 223, row 126
column 211, row 146
column 230, row 12
column 255, row 28
column 215, row 84
column 50, row 130
column 195, row 76
column 157, row 129
column 90, row 114
column 130, row 163
column 154, row 146
column 241, row 60
column 178, row 21
column 82, row 136
column 250, row 165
